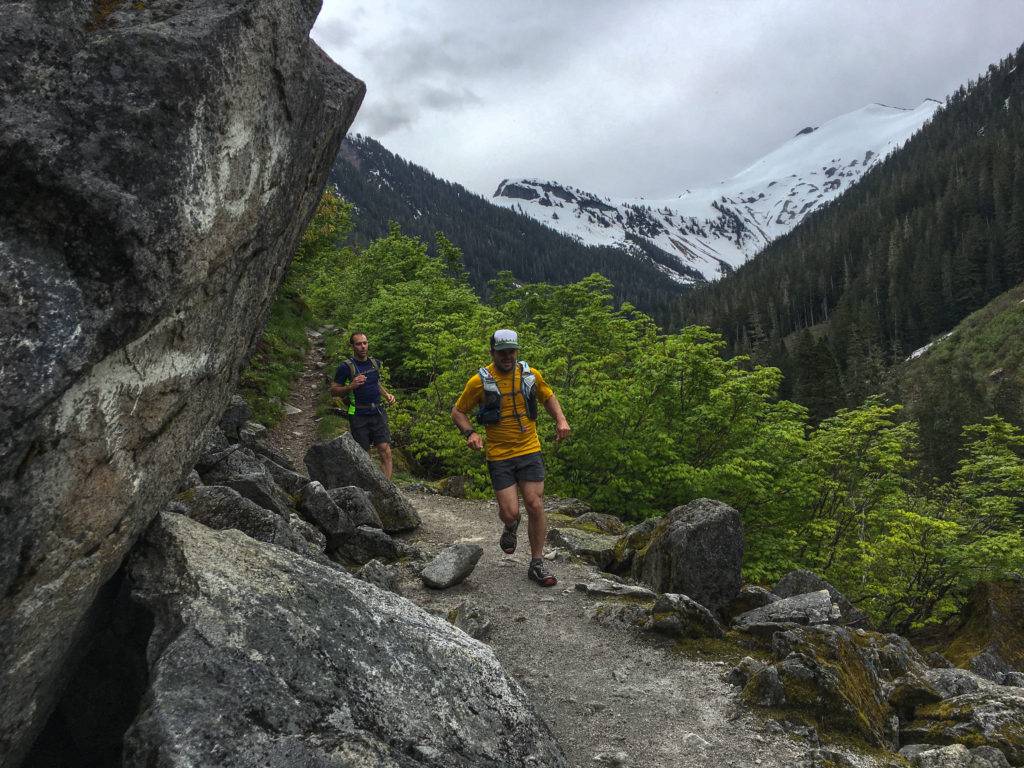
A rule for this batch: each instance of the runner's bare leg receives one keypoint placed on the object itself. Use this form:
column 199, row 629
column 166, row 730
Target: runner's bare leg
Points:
column 508, row 504
column 386, row 462
column 533, row 498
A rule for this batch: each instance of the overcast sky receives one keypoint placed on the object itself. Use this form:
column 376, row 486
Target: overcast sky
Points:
column 637, row 97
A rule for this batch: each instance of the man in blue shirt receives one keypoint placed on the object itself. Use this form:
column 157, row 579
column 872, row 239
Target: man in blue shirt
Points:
column 360, row 375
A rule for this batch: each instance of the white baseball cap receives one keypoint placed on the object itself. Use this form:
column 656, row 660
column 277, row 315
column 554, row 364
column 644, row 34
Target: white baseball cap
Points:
column 505, row 338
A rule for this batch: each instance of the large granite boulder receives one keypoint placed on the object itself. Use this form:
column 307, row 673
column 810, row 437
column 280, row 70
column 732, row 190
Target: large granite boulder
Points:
column 342, row 461
column 261, row 657
column 695, row 550
column 158, row 165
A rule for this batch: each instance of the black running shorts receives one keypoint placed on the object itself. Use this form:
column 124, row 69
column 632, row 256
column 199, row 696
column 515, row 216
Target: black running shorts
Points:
column 519, row 469
column 370, row 427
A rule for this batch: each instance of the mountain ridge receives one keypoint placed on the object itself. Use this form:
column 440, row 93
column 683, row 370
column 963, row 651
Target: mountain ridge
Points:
column 715, row 229
column 385, row 187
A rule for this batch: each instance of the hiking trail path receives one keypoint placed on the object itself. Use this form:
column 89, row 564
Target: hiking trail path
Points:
column 610, row 696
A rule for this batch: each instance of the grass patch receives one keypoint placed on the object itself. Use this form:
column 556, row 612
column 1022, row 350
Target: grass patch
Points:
column 278, row 361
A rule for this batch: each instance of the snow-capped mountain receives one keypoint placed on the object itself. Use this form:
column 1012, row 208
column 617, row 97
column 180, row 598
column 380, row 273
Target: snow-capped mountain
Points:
column 715, row 229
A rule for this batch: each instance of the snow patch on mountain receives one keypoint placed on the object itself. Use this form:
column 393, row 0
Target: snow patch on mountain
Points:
column 715, row 229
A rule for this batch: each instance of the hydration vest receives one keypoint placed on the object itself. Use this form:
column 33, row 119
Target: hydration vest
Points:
column 350, row 397
column 490, row 409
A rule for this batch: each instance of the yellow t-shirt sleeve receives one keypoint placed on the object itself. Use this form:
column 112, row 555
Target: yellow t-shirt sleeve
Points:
column 543, row 390
column 471, row 395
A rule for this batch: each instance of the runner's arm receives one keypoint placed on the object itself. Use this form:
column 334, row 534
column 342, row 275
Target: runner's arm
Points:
column 473, row 440
column 342, row 389
column 552, row 406
column 387, row 395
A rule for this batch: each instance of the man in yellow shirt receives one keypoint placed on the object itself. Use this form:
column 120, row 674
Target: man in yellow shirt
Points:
column 505, row 395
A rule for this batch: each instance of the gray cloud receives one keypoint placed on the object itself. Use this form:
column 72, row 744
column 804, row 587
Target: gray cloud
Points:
column 645, row 97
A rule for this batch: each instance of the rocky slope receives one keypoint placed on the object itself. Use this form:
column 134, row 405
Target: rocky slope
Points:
column 158, row 164
column 715, row 229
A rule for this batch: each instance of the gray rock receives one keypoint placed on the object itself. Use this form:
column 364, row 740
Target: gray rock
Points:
column 266, row 450
column 384, row 576
column 679, row 616
column 956, row 682
column 219, row 507
column 289, row 481
column 161, row 162
column 604, row 523
column 454, row 486
column 234, row 418
column 764, row 688
column 313, row 536
column 318, row 508
column 953, row 756
column 251, row 433
column 241, row 470
column 1014, row 679
column 801, row 610
column 825, row 758
column 632, row 615
column 260, row 657
column 471, row 619
column 192, row 480
column 451, row 566
column 342, row 462
column 566, row 506
column 742, row 672
column 595, row 548
column 801, row 582
column 636, row 538
column 215, row 448
column 837, row 674
column 990, row 664
column 937, row 660
column 356, row 504
column 364, row 544
column 993, row 718
column 605, row 587
column 749, row 598
column 696, row 550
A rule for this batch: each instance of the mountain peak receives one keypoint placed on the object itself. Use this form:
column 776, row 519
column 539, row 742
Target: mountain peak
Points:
column 715, row 229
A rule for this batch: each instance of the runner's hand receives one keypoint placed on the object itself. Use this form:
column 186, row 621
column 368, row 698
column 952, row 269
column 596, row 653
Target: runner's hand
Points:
column 359, row 380
column 562, row 430
column 390, row 398
column 475, row 442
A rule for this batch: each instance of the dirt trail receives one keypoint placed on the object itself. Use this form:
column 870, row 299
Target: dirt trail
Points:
column 610, row 696
column 295, row 433
column 603, row 691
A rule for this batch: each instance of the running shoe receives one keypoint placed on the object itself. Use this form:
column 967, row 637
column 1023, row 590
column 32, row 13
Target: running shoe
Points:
column 539, row 572
column 508, row 539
